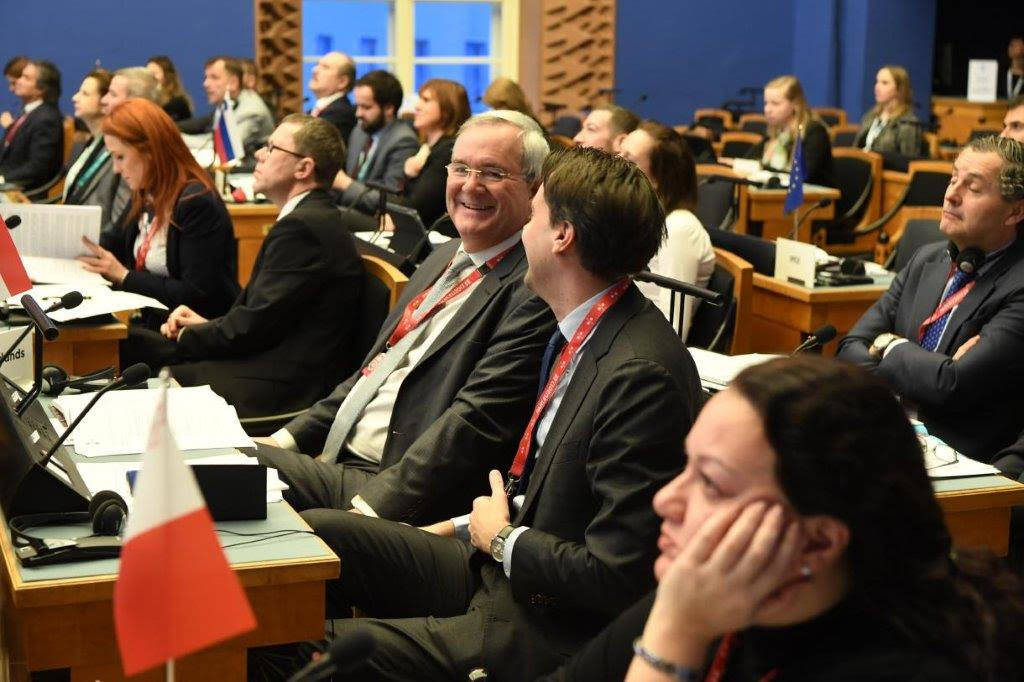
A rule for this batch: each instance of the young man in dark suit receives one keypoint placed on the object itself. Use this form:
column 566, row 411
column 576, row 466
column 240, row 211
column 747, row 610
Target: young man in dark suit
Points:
column 447, row 387
column 567, row 540
column 284, row 343
column 32, row 148
column 379, row 146
column 949, row 333
column 331, row 81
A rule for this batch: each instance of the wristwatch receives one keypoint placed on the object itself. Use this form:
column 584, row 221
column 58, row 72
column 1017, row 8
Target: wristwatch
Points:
column 881, row 342
column 498, row 543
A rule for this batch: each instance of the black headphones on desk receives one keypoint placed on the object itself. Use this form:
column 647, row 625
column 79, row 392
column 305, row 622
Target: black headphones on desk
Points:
column 107, row 514
column 56, row 380
column 968, row 261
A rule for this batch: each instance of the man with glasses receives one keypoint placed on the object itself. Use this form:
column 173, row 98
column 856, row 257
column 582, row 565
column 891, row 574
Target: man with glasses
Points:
column 448, row 386
column 288, row 338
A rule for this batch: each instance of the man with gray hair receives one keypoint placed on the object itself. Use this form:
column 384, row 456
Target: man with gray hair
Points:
column 332, row 78
column 447, row 388
column 949, row 333
column 131, row 81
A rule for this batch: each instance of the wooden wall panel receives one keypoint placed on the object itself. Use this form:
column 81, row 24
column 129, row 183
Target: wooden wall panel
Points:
column 577, row 53
column 279, row 52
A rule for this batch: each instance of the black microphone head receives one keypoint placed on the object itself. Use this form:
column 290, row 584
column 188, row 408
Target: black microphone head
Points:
column 824, row 334
column 823, row 202
column 12, row 222
column 72, row 299
column 773, row 182
column 139, row 372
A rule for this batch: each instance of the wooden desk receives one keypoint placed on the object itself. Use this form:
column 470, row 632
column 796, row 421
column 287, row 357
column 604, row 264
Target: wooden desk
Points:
column 783, row 314
column 766, row 207
column 69, row 623
column 977, row 510
column 84, row 348
column 957, row 117
column 251, row 223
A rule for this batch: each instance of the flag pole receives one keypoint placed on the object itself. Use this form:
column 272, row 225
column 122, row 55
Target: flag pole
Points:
column 170, row 670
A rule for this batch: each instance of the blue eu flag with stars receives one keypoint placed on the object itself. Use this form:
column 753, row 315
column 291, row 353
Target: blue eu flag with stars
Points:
column 795, row 195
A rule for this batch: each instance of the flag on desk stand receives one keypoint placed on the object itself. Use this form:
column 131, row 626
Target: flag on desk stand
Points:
column 175, row 592
column 795, row 195
column 13, row 278
column 227, row 141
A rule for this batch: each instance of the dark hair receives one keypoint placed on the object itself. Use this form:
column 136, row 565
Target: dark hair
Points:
column 47, row 80
column 321, row 141
column 102, row 78
column 171, row 87
column 451, row 100
column 622, row 120
column 672, row 166
column 15, row 65
column 844, row 448
column 386, row 88
column 618, row 219
column 231, row 65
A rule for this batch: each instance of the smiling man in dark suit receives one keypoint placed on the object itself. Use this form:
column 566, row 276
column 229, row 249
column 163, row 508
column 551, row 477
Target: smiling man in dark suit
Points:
column 568, row 540
column 32, row 148
column 949, row 333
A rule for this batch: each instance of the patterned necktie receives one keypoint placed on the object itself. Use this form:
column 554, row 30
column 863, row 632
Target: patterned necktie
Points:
column 930, row 339
column 364, row 158
column 364, row 391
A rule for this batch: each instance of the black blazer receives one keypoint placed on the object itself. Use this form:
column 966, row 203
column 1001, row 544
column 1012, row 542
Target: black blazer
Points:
column 817, row 147
column 425, row 192
column 104, row 189
column 178, row 109
column 342, row 115
column 461, row 410
column 202, row 257
column 617, row 437
column 35, row 153
column 974, row 404
column 286, row 341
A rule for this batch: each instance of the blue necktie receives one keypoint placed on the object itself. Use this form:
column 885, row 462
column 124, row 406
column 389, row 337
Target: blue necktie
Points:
column 930, row 340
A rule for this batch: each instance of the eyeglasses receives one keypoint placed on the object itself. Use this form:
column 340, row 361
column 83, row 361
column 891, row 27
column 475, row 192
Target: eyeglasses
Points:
column 936, row 453
column 270, row 147
column 487, row 176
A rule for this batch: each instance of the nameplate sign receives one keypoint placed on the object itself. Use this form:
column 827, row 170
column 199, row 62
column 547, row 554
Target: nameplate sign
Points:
column 794, row 262
column 18, row 365
column 982, row 80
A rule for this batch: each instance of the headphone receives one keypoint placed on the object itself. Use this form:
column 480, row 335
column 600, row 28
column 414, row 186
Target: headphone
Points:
column 968, row 261
column 106, row 516
column 56, row 380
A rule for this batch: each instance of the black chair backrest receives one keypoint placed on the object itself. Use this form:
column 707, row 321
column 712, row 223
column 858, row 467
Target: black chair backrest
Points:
column 566, row 125
column 736, row 149
column 755, row 126
column 854, row 178
column 758, row 252
column 373, row 309
column 927, row 188
column 916, row 233
column 716, row 205
column 844, row 139
column 716, row 124
column 829, row 119
column 701, row 148
column 712, row 325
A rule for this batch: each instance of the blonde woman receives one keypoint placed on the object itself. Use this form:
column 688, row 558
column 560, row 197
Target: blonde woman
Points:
column 890, row 127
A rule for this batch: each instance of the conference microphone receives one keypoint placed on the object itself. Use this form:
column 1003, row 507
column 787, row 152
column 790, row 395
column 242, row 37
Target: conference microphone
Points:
column 72, row 299
column 12, row 221
column 821, row 203
column 344, row 651
column 819, row 337
column 135, row 374
column 712, row 179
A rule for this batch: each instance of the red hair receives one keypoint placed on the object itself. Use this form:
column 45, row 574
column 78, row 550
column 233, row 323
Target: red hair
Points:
column 169, row 164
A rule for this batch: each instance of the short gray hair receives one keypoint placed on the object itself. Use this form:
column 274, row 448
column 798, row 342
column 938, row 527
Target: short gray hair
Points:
column 141, row 83
column 535, row 146
column 1011, row 153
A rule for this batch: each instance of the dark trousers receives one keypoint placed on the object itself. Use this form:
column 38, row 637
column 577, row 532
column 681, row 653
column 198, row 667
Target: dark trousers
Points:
column 313, row 484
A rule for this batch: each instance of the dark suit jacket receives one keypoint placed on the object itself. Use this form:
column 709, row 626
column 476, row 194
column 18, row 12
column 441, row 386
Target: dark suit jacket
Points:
column 617, row 437
column 202, row 257
column 285, row 343
column 35, row 153
column 974, row 404
column 461, row 410
column 342, row 115
column 817, row 147
column 425, row 192
column 396, row 144
column 104, row 189
column 178, row 109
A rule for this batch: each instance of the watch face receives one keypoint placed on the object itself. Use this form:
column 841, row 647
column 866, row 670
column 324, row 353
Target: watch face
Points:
column 497, row 548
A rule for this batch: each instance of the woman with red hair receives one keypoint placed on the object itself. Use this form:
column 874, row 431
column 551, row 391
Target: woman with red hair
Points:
column 175, row 243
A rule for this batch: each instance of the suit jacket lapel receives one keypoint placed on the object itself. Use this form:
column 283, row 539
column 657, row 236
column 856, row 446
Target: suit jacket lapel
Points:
column 357, row 139
column 929, row 291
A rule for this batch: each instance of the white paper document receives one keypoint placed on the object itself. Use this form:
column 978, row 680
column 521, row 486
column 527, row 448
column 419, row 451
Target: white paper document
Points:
column 43, row 270
column 96, row 300
column 717, row 371
column 54, row 231
column 119, row 423
column 942, row 461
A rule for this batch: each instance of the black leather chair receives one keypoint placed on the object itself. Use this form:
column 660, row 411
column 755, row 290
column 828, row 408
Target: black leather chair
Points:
column 712, row 325
column 855, row 183
column 758, row 252
column 721, row 283
column 916, row 233
column 716, row 205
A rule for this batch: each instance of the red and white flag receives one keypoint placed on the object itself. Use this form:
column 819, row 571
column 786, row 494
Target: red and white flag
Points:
column 175, row 592
column 13, row 278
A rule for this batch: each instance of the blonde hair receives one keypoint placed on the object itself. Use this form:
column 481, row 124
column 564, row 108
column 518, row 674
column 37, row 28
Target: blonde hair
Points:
column 505, row 93
column 903, row 92
column 793, row 91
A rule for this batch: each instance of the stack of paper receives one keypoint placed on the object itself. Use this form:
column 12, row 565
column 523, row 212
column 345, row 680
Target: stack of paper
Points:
column 717, row 370
column 119, row 423
column 50, row 238
column 942, row 461
column 97, row 300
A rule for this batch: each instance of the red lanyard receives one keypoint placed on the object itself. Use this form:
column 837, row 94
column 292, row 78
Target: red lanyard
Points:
column 140, row 259
column 410, row 322
column 947, row 305
column 558, row 370
column 717, row 668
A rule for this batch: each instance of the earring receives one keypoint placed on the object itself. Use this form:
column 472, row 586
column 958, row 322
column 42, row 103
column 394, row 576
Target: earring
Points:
column 805, row 571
